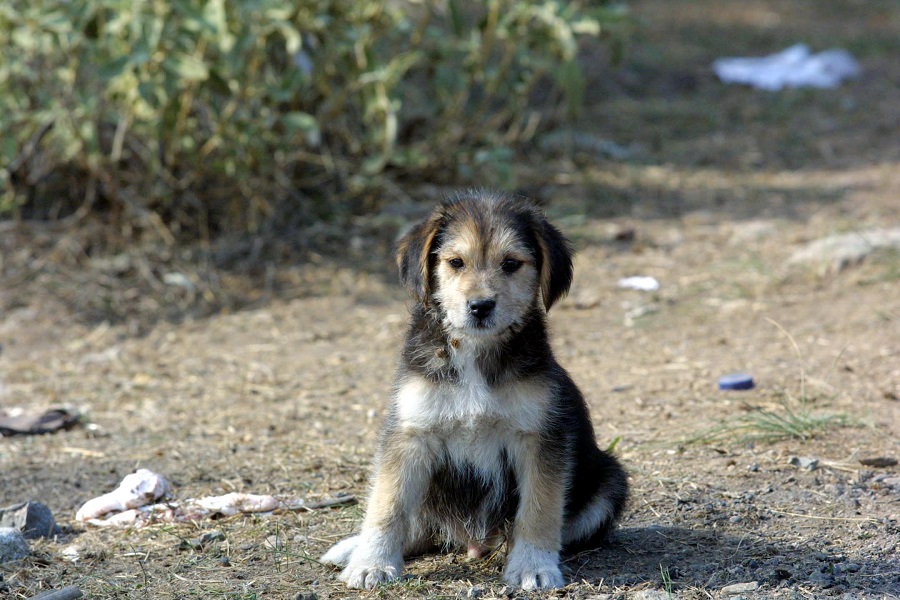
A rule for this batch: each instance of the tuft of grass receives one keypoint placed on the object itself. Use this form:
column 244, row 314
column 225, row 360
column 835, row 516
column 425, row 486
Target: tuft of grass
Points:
column 772, row 425
column 666, row 580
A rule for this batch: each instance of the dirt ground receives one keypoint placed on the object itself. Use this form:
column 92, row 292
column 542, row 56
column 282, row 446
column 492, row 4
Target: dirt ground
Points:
column 720, row 186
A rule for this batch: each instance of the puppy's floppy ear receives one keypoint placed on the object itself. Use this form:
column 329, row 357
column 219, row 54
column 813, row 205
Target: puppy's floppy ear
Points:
column 414, row 257
column 556, row 262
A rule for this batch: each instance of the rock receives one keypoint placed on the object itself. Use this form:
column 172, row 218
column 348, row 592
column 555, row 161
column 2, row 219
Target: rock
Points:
column 203, row 541
column 12, row 545
column 848, row 567
column 33, row 519
column 474, row 592
column 804, row 462
column 274, row 542
column 837, row 252
column 879, row 462
column 892, row 482
column 653, row 595
column 825, row 580
column 67, row 593
column 210, row 537
column 740, row 588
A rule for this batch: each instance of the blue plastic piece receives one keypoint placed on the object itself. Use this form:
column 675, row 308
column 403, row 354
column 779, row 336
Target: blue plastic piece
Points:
column 736, row 381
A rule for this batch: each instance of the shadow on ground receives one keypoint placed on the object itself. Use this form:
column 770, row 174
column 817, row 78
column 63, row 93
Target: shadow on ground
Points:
column 711, row 560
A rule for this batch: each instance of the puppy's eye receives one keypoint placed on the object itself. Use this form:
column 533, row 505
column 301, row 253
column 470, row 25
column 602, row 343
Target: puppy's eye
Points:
column 510, row 265
column 456, row 263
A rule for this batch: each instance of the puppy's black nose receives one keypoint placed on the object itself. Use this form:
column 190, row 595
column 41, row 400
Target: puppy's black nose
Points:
column 480, row 309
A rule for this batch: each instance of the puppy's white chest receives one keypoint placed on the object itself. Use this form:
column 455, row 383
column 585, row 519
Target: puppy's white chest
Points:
column 470, row 408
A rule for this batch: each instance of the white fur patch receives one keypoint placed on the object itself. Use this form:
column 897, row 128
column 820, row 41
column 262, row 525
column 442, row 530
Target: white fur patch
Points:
column 377, row 558
column 470, row 406
column 530, row 568
column 339, row 554
column 600, row 510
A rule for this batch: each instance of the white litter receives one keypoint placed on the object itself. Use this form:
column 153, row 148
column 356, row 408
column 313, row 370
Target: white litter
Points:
column 232, row 504
column 639, row 282
column 131, row 504
column 140, row 488
column 793, row 67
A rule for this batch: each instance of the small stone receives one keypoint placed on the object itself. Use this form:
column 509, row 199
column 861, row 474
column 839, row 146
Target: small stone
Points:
column 879, row 462
column 210, row 537
column 893, row 482
column 826, row 580
column 838, row 252
column 33, row 519
column 736, row 519
column 12, row 545
column 783, row 574
column 740, row 588
column 474, row 592
column 274, row 542
column 652, row 595
column 307, row 596
column 849, row 567
column 804, row 462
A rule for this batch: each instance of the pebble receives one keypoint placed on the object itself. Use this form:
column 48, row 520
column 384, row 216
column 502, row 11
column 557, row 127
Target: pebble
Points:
column 824, row 579
column 740, row 588
column 653, row 595
column 837, row 252
column 274, row 542
column 211, row 536
column 849, row 567
column 474, row 592
column 893, row 482
column 805, row 462
column 67, row 593
column 878, row 462
column 12, row 545
column 33, row 519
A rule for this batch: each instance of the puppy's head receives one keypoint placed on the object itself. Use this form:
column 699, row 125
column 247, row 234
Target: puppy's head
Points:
column 485, row 259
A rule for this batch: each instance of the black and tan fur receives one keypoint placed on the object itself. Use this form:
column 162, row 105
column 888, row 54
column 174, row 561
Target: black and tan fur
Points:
column 487, row 436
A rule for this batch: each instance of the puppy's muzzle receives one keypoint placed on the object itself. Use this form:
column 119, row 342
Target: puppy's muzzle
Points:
column 481, row 309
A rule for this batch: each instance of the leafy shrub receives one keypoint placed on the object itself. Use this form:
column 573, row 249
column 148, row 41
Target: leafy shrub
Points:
column 233, row 113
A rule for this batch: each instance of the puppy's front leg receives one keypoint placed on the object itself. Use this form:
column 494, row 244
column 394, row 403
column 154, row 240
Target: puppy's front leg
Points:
column 533, row 562
column 400, row 483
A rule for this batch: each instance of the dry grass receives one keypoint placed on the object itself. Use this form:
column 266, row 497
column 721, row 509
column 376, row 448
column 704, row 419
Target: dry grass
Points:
column 278, row 382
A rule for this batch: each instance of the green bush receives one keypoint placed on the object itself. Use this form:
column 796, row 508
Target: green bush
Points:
column 239, row 112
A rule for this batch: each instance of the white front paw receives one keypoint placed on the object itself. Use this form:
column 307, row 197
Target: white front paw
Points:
column 375, row 559
column 340, row 553
column 367, row 577
column 531, row 569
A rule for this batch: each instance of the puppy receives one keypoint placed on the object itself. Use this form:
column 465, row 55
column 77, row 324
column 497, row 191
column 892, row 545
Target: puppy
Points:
column 487, row 437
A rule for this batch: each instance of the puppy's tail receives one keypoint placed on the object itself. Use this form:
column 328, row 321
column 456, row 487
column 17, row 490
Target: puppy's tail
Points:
column 590, row 527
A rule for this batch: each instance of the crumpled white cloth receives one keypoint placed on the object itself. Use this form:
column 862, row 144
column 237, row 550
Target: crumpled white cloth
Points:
column 796, row 66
